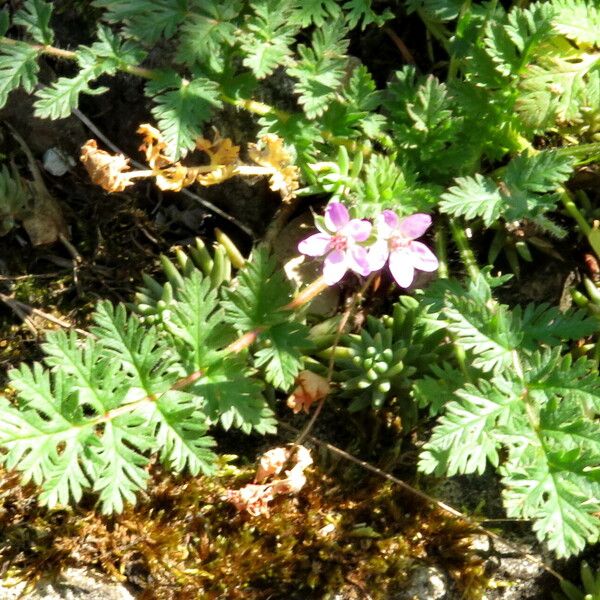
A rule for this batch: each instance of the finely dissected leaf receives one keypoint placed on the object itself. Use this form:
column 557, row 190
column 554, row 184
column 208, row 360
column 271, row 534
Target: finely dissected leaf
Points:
column 96, row 378
column 207, row 33
column 473, row 197
column 542, row 323
column 320, row 69
column 112, row 46
column 315, row 12
column 193, row 320
column 234, row 399
column 261, row 293
column 268, row 35
column 180, row 433
column 360, row 10
column 538, row 173
column 46, row 435
column 512, row 44
column 553, row 89
column 18, row 68
column 147, row 20
column 35, row 17
column 57, row 100
column 486, row 331
column 577, row 20
column 181, row 108
column 121, row 470
column 282, row 356
column 464, row 439
column 560, row 491
column 136, row 347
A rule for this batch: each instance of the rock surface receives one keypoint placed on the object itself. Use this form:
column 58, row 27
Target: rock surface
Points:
column 73, row 584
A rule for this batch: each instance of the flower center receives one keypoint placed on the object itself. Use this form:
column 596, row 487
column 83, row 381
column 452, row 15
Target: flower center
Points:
column 398, row 241
column 338, row 242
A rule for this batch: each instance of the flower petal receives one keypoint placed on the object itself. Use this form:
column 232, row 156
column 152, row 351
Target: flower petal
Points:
column 358, row 229
column 401, row 268
column 315, row 245
column 336, row 216
column 415, row 226
column 356, row 257
column 422, row 257
column 335, row 267
column 387, row 223
column 377, row 254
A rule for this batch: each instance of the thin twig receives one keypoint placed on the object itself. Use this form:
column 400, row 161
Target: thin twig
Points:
column 402, row 47
column 426, row 498
column 138, row 165
column 14, row 306
column 338, row 334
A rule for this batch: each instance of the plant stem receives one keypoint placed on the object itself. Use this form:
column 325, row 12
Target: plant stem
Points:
column 440, row 250
column 466, row 253
column 573, row 210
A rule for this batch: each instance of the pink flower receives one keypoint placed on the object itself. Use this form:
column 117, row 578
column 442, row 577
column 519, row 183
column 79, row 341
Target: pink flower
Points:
column 396, row 241
column 340, row 243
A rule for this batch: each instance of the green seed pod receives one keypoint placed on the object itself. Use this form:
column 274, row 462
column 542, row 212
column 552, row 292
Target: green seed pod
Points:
column 363, row 384
column 167, row 295
column 372, row 375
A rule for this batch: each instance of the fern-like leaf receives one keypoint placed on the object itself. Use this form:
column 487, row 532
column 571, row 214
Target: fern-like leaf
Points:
column 35, row 17
column 181, row 108
column 18, row 68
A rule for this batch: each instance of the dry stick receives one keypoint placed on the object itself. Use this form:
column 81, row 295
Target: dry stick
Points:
column 402, row 47
column 338, row 334
column 426, row 498
column 14, row 305
column 206, row 203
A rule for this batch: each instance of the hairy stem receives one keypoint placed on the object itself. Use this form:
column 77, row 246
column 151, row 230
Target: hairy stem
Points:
column 466, row 253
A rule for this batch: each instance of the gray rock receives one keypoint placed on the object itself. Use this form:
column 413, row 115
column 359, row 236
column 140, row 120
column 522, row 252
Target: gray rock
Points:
column 72, row 584
column 425, row 582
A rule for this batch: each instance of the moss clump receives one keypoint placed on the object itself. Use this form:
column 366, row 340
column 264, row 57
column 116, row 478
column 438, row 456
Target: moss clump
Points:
column 183, row 540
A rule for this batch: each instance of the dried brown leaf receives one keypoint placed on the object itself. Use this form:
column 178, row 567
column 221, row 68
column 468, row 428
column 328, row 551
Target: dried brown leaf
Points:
column 106, row 170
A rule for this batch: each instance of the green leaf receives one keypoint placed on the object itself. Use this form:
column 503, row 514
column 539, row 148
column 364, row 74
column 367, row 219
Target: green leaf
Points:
column 57, row 100
column 35, row 17
column 114, row 47
column 577, row 20
column 315, row 12
column 464, row 439
column 543, row 172
column 180, row 434
column 206, row 33
column 234, row 399
column 146, row 20
column 181, row 108
column 268, row 35
column 282, row 355
column 261, row 293
column 545, row 324
column 360, row 10
column 18, row 68
column 321, row 68
column 473, row 197
column 121, row 470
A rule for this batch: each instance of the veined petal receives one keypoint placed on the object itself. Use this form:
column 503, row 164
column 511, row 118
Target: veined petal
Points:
column 415, row 226
column 315, row 245
column 336, row 216
column 422, row 257
column 335, row 267
column 358, row 229
column 401, row 268
column 357, row 260
column 377, row 254
column 387, row 223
